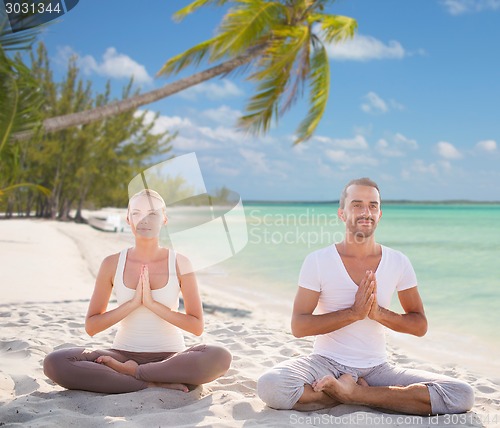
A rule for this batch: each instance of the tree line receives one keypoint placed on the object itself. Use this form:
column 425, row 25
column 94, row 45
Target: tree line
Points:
column 86, row 145
column 80, row 167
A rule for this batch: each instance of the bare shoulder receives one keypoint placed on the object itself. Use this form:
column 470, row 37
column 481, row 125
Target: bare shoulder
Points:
column 183, row 264
column 109, row 264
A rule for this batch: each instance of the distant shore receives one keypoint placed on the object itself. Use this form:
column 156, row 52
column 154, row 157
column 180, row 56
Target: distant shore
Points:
column 384, row 202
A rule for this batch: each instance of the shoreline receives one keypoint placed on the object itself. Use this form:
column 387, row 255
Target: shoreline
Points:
column 43, row 307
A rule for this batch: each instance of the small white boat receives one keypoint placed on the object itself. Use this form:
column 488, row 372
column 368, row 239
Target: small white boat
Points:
column 106, row 221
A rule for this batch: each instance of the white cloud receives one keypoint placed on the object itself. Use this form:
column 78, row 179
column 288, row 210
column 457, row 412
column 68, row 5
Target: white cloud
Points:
column 489, row 146
column 113, row 64
column 396, row 105
column 212, row 90
column 192, row 143
column 374, row 104
column 419, row 167
column 404, row 141
column 458, row 7
column 448, row 150
column 164, row 123
column 193, row 136
column 397, row 147
column 223, row 114
column 256, row 159
column 346, row 159
column 218, row 165
column 259, row 163
column 358, row 142
column 386, row 149
column 222, row 133
column 365, row 48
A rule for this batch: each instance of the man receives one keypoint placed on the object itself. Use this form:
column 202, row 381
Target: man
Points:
column 350, row 285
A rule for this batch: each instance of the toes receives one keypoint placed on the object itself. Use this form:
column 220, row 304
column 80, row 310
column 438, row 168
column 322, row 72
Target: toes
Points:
column 362, row 382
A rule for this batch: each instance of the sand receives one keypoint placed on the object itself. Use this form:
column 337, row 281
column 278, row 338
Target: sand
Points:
column 47, row 271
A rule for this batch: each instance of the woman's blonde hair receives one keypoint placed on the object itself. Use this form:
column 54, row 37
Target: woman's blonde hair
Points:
column 150, row 193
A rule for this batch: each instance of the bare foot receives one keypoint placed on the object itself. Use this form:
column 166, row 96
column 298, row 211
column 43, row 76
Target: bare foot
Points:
column 128, row 367
column 176, row 386
column 362, row 382
column 311, row 400
column 340, row 389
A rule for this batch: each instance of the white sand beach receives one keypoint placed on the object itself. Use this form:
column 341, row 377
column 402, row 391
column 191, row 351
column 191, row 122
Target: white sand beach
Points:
column 47, row 272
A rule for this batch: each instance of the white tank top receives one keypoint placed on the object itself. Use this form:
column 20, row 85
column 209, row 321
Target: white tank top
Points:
column 142, row 330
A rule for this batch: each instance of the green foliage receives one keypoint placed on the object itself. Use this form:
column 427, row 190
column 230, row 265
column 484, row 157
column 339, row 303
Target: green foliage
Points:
column 320, row 86
column 192, row 7
column 87, row 166
column 20, row 103
column 285, row 41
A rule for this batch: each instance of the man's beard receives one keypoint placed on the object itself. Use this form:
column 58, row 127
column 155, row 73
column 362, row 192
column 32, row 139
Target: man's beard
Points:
column 359, row 233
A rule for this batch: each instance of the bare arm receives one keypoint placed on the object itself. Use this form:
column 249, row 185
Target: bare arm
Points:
column 413, row 321
column 192, row 320
column 304, row 323
column 98, row 319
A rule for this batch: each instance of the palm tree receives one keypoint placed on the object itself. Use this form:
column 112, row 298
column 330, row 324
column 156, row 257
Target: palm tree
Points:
column 19, row 106
column 283, row 40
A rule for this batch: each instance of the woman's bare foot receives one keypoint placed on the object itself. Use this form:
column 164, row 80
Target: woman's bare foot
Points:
column 128, row 367
column 176, row 386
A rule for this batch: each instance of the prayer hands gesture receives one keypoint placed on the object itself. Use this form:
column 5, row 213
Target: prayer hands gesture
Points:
column 143, row 295
column 365, row 301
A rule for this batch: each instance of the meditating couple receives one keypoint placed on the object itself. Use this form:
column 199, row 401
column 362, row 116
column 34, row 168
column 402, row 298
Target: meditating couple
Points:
column 343, row 298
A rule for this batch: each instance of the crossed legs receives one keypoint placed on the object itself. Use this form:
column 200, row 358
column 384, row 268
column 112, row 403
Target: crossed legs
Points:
column 112, row 371
column 312, row 382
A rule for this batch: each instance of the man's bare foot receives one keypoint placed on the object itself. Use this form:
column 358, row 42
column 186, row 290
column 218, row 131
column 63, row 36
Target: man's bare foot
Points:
column 311, row 400
column 128, row 367
column 176, row 386
column 362, row 382
column 340, row 389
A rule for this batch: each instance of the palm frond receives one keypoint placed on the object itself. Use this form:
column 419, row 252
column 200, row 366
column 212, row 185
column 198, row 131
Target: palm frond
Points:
column 16, row 41
column 319, row 90
column 263, row 106
column 242, row 26
column 194, row 6
column 193, row 55
column 8, row 102
column 335, row 28
column 276, row 66
column 20, row 100
column 281, row 50
column 43, row 190
column 301, row 71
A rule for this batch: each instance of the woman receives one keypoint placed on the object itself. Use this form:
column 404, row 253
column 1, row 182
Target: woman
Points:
column 148, row 349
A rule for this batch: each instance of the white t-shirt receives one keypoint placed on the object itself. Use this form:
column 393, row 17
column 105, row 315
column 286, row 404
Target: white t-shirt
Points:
column 362, row 343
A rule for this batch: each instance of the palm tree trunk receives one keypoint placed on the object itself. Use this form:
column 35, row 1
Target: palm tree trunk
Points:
column 81, row 118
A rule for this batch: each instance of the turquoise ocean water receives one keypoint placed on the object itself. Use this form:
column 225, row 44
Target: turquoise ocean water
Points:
column 454, row 249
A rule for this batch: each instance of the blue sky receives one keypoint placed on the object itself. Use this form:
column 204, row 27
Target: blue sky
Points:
column 414, row 100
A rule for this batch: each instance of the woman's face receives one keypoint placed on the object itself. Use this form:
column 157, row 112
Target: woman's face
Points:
column 146, row 216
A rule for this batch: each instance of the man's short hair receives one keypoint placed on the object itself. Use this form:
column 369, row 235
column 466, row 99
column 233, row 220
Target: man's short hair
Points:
column 364, row 181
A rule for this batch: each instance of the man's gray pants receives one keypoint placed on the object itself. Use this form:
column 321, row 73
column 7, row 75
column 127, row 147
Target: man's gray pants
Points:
column 282, row 386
